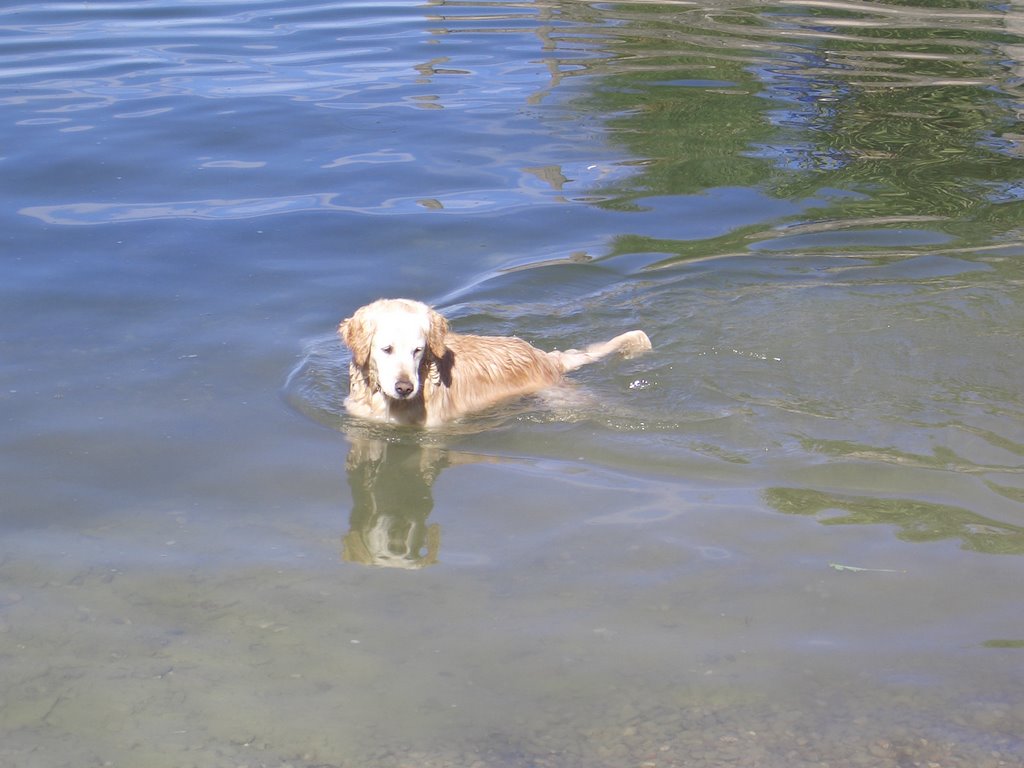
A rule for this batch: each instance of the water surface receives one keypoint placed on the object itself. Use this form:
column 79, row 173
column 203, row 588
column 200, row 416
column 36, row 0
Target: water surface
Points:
column 791, row 535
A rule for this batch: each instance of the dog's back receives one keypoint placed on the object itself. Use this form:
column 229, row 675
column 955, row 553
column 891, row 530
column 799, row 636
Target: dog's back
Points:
column 478, row 371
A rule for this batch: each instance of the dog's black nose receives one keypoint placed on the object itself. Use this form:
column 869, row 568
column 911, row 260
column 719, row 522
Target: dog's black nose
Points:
column 403, row 388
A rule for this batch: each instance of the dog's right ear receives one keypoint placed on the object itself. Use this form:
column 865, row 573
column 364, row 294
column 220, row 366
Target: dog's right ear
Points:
column 357, row 335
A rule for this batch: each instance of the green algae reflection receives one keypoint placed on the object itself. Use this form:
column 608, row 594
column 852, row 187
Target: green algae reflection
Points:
column 915, row 520
column 909, row 122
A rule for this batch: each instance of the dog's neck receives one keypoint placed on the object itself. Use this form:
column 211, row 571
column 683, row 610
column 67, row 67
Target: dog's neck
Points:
column 409, row 412
column 364, row 387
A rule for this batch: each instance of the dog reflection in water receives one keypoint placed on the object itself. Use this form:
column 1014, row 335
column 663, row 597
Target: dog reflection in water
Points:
column 392, row 497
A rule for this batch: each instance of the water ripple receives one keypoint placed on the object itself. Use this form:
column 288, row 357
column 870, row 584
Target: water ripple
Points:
column 250, row 208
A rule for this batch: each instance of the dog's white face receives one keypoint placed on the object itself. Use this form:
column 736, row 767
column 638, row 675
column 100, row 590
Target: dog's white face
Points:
column 399, row 341
column 388, row 339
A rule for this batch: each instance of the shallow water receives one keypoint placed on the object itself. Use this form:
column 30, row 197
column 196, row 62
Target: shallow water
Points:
column 790, row 535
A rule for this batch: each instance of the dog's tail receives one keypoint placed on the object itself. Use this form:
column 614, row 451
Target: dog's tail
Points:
column 628, row 344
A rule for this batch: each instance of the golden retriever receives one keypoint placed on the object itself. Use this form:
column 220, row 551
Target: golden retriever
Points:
column 408, row 368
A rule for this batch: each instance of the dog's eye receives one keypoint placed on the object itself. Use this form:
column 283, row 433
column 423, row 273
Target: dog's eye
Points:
column 387, row 350
column 417, row 351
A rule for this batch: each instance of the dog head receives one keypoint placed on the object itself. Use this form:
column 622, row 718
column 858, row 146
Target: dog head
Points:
column 390, row 339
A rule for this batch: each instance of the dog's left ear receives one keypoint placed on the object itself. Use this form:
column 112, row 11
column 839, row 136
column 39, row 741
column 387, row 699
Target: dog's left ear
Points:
column 357, row 337
column 435, row 336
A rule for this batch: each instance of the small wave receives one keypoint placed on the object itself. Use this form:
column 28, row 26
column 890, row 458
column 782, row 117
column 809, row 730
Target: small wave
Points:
column 317, row 386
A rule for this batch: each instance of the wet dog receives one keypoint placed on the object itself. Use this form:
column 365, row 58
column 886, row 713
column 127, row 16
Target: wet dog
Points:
column 408, row 368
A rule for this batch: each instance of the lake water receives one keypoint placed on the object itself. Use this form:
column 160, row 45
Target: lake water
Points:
column 791, row 535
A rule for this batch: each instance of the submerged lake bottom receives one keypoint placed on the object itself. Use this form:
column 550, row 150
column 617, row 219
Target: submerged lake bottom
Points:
column 552, row 613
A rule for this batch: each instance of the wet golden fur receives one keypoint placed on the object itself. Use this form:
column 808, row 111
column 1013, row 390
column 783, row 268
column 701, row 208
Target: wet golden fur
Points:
column 408, row 368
